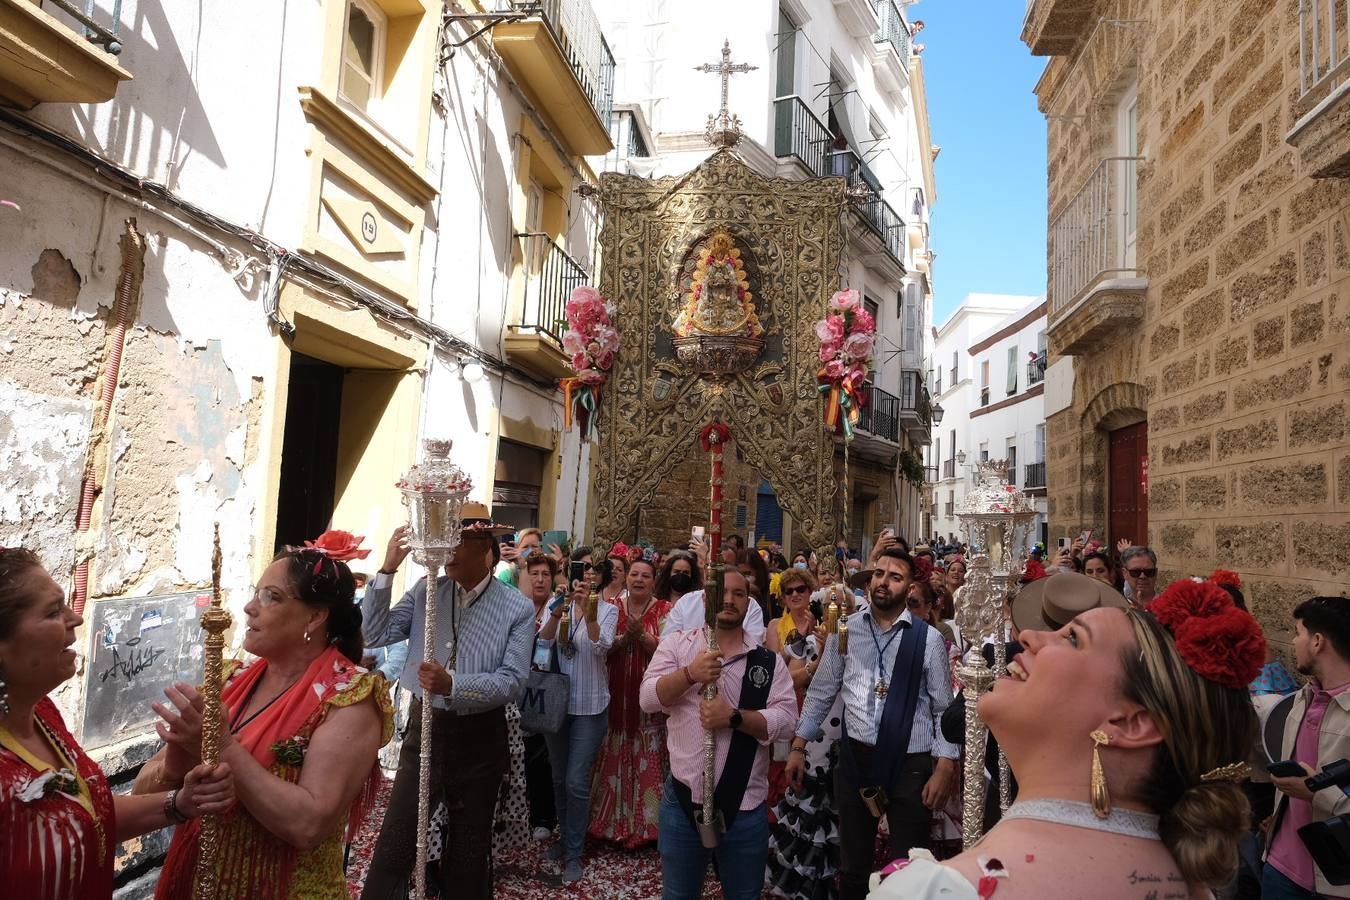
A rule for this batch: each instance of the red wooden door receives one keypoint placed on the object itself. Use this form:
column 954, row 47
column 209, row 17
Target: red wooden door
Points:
column 1127, row 463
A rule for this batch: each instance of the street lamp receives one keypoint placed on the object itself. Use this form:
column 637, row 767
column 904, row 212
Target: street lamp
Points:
column 937, row 413
column 960, row 457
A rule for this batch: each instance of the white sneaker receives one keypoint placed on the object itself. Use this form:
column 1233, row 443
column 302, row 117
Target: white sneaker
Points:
column 542, row 834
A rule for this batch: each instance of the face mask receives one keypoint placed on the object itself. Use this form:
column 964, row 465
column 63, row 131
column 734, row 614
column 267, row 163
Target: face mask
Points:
column 799, row 565
column 681, row 582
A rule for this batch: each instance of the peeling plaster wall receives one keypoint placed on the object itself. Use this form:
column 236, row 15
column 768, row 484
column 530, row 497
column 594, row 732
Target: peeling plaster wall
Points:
column 184, row 431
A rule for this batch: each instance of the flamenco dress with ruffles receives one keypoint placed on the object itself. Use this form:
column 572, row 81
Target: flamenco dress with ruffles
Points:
column 630, row 768
column 253, row 862
column 56, row 834
column 804, row 841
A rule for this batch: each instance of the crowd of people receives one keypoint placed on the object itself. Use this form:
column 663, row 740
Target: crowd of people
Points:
column 1129, row 717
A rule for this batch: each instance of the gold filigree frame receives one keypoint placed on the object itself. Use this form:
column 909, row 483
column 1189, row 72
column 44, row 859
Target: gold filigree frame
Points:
column 653, row 407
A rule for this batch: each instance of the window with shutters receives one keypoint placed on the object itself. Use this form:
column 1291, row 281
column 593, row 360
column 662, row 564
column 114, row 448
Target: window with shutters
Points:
column 363, row 55
column 1012, row 370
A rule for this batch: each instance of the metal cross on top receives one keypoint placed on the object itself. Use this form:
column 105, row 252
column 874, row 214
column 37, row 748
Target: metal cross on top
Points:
column 724, row 129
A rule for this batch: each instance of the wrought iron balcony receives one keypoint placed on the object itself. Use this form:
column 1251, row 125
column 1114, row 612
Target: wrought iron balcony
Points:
column 893, row 31
column 880, row 417
column 948, row 468
column 559, row 54
column 48, row 55
column 799, row 134
column 1319, row 130
column 550, row 276
column 930, row 474
column 949, row 510
column 1036, row 369
column 875, row 212
column 1034, row 475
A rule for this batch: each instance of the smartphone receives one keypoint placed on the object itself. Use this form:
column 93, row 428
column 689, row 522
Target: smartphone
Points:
column 506, row 538
column 696, row 533
column 542, row 652
column 890, row 528
column 576, row 572
column 554, row 537
column 1064, row 543
column 557, row 601
column 1286, row 768
column 1085, row 537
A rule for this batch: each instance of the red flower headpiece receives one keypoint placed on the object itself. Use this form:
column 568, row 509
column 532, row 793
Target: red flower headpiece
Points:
column 1033, row 572
column 619, row 551
column 1218, row 641
column 1224, row 576
column 923, row 568
column 339, row 545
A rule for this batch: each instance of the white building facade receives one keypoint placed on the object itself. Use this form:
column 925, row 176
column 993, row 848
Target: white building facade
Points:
column 990, row 380
column 836, row 90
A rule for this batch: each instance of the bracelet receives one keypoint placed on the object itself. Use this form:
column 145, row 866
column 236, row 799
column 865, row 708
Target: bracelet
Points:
column 801, row 750
column 687, row 677
column 170, row 808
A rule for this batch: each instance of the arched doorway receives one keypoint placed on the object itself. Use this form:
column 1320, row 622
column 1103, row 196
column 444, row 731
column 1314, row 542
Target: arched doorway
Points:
column 1115, row 430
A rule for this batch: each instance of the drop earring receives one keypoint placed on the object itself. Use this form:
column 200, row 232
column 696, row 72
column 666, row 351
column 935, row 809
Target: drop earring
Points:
column 308, row 637
column 1101, row 797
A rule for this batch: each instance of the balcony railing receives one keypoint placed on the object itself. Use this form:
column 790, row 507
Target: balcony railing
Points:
column 914, row 399
column 1323, row 44
column 1036, row 369
column 1034, row 476
column 879, row 215
column 893, row 30
column 577, row 30
column 881, row 415
column 798, row 133
column 930, row 474
column 949, row 510
column 1088, row 239
column 948, row 468
column 94, row 32
column 550, row 280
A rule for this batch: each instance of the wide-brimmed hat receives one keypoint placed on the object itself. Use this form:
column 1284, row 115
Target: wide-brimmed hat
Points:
column 1048, row 604
column 476, row 520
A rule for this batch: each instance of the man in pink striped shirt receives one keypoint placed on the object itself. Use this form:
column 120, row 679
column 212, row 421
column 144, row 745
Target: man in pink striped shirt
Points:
column 755, row 706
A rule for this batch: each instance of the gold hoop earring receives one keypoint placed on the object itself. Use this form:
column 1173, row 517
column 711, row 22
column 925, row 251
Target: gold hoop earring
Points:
column 1101, row 797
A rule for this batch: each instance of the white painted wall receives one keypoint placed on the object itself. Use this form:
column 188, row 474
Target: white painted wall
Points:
column 978, row 316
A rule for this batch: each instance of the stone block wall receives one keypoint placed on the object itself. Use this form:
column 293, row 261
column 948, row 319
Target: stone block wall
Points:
column 1241, row 361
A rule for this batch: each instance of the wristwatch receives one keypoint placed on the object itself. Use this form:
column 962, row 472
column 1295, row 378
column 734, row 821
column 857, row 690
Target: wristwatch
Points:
column 736, row 718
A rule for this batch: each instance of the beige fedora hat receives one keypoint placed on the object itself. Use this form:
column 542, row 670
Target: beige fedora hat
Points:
column 1048, row 604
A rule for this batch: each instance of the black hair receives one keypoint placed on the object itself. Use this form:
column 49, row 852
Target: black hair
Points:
column 662, row 587
column 897, row 553
column 1329, row 617
column 321, row 582
column 1236, row 593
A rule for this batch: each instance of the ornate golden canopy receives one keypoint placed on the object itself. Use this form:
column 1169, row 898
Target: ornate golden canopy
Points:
column 782, row 240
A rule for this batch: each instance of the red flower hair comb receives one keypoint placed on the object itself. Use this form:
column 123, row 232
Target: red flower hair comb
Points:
column 1226, row 577
column 1218, row 641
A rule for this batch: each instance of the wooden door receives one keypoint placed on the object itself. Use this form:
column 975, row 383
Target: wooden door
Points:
column 1127, row 464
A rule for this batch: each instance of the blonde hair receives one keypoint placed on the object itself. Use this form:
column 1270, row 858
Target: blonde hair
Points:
column 1204, row 726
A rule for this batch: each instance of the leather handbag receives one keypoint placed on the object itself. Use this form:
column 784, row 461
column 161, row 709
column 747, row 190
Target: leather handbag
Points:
column 543, row 705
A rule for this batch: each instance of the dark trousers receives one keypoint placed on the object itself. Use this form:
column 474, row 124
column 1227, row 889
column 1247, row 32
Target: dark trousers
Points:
column 539, row 783
column 469, row 757
column 910, row 822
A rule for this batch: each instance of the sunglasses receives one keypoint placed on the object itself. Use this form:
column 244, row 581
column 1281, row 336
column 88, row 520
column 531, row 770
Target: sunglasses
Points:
column 797, row 589
column 1142, row 573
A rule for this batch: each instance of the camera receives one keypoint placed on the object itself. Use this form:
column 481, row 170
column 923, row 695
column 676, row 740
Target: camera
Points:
column 1328, row 842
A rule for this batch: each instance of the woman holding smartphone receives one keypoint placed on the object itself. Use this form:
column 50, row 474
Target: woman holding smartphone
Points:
column 581, row 650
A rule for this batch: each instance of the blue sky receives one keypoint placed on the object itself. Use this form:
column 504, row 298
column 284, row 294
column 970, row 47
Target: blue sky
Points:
column 988, row 226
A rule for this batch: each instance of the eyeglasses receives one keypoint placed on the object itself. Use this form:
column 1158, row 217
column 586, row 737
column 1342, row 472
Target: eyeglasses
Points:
column 797, row 589
column 268, row 596
column 1142, row 573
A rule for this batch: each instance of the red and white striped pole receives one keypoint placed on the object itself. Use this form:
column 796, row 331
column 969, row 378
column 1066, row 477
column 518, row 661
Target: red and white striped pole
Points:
column 713, row 439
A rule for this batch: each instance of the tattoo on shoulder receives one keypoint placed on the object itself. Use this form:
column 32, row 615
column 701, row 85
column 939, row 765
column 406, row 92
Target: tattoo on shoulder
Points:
column 1158, row 887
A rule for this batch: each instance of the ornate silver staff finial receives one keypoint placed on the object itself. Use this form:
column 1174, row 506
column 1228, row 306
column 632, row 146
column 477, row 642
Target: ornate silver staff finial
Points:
column 724, row 129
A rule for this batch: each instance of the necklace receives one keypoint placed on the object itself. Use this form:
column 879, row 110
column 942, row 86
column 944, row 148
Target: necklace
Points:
column 1126, row 822
column 235, row 725
column 882, row 687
